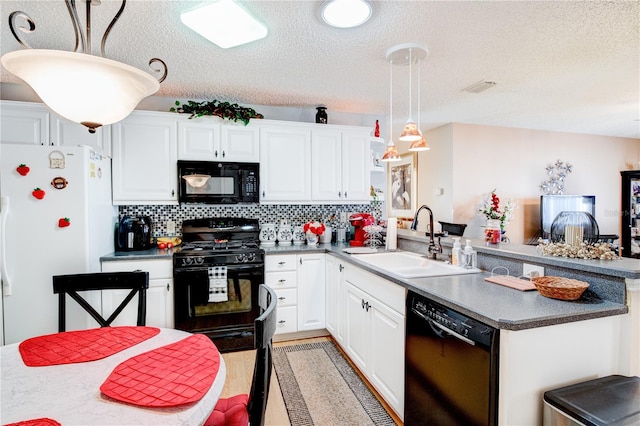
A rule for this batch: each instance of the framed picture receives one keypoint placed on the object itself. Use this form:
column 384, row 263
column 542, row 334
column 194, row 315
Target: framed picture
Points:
column 402, row 183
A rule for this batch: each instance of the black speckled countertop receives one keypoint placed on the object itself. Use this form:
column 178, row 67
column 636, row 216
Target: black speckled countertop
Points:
column 493, row 304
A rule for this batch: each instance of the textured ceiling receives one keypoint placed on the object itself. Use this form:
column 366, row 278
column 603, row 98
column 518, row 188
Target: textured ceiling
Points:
column 565, row 66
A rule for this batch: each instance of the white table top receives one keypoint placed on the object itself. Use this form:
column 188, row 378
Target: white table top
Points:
column 70, row 393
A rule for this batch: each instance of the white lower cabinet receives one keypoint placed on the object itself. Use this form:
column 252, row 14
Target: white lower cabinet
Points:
column 159, row 293
column 335, row 298
column 375, row 332
column 298, row 281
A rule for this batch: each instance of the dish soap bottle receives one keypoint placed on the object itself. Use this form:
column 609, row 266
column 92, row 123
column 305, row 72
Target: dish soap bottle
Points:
column 470, row 256
column 455, row 252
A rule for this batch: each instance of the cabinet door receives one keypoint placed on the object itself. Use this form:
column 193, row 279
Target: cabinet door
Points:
column 24, row 123
column 157, row 302
column 145, row 159
column 356, row 166
column 357, row 326
column 326, row 166
column 198, row 140
column 386, row 361
column 240, row 143
column 335, row 298
column 311, row 291
column 68, row 133
column 285, row 159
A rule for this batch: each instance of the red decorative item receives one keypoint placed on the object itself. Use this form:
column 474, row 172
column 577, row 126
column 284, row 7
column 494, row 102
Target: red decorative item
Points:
column 63, row 222
column 23, row 169
column 38, row 193
column 376, row 132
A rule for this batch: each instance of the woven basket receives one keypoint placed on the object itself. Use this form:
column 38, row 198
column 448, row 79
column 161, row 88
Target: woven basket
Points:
column 559, row 287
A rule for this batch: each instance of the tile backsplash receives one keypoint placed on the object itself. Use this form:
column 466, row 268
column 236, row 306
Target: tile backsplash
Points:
column 297, row 214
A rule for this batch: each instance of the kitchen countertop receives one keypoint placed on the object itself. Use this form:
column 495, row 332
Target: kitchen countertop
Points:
column 495, row 305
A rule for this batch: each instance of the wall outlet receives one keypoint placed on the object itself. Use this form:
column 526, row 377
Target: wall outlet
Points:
column 171, row 227
column 532, row 271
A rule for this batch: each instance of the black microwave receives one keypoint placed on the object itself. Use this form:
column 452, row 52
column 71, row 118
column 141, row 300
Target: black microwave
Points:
column 213, row 182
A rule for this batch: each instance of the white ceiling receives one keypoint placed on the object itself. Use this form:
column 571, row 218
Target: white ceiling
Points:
column 569, row 66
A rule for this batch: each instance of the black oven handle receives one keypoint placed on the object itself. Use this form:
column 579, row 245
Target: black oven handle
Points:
column 230, row 267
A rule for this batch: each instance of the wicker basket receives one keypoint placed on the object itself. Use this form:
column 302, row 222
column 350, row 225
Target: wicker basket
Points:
column 559, row 287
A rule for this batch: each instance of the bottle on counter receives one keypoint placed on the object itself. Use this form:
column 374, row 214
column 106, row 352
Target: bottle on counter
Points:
column 470, row 256
column 455, row 252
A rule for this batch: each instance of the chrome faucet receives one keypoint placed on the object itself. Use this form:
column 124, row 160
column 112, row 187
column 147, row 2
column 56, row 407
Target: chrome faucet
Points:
column 434, row 248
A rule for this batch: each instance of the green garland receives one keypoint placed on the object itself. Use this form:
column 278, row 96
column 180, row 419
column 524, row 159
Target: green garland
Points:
column 223, row 110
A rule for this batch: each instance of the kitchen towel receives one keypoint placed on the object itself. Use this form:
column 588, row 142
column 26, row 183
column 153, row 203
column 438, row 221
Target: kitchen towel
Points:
column 392, row 233
column 71, row 347
column 218, row 288
column 176, row 374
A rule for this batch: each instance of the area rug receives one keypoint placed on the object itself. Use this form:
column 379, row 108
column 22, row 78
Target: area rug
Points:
column 321, row 388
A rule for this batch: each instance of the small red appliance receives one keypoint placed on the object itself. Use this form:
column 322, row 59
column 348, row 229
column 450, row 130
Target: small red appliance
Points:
column 359, row 221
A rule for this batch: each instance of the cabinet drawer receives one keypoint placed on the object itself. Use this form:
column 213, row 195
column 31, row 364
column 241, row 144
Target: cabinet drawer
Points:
column 285, row 279
column 280, row 262
column 157, row 268
column 286, row 320
column 287, row 297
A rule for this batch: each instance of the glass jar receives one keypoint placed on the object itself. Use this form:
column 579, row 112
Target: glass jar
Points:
column 492, row 232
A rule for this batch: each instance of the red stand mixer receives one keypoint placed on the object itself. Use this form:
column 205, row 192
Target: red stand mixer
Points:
column 359, row 221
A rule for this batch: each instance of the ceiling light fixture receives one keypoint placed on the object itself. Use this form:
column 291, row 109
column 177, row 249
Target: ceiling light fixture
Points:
column 407, row 54
column 421, row 144
column 90, row 90
column 391, row 152
column 480, row 86
column 346, row 13
column 224, row 23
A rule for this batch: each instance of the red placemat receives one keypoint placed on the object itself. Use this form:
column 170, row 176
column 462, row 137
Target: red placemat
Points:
column 175, row 374
column 83, row 345
column 36, row 422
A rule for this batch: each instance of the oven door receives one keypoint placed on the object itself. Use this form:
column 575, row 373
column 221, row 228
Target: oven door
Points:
column 227, row 314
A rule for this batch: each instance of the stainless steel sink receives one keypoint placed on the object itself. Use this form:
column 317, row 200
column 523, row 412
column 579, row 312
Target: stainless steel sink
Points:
column 406, row 264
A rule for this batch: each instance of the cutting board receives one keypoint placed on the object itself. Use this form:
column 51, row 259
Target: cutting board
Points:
column 513, row 282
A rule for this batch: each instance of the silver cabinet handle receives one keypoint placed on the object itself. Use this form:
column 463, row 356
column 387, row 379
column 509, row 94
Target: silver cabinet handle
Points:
column 341, row 267
column 301, row 261
column 281, row 322
column 282, row 281
column 168, row 287
column 282, row 263
column 281, row 298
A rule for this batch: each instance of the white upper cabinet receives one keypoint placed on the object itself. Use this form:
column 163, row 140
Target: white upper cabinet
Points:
column 145, row 159
column 285, row 160
column 341, row 165
column 34, row 124
column 204, row 139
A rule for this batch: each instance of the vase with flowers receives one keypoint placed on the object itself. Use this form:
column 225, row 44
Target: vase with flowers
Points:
column 313, row 230
column 497, row 217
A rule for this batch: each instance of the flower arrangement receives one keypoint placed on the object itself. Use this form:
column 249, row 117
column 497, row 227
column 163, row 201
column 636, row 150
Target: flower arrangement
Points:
column 491, row 209
column 314, row 227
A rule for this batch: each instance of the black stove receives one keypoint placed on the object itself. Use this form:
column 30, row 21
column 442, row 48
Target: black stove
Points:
column 217, row 271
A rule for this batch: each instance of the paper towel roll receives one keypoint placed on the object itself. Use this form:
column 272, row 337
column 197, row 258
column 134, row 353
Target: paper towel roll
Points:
column 392, row 233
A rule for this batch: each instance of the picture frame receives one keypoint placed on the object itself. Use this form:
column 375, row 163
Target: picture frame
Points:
column 402, row 186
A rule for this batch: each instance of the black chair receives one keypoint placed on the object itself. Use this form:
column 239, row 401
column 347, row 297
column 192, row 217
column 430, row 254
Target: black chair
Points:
column 137, row 282
column 250, row 409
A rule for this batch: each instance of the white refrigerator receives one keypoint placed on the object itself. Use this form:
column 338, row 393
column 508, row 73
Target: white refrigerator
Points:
column 56, row 217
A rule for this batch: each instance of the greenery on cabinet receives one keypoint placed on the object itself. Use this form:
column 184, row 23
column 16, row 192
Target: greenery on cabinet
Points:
column 216, row 108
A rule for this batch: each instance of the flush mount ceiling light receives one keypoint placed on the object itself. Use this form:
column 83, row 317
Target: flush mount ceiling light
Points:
column 408, row 54
column 346, row 13
column 224, row 23
column 480, row 86
column 90, row 90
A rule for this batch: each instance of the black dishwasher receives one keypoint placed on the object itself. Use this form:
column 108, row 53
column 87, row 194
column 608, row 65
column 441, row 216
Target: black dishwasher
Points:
column 451, row 367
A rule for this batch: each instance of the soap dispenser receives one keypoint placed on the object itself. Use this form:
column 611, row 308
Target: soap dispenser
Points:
column 455, row 252
column 470, row 256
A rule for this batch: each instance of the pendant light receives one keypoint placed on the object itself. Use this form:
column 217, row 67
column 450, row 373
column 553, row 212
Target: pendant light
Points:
column 407, row 54
column 90, row 90
column 419, row 145
column 391, row 152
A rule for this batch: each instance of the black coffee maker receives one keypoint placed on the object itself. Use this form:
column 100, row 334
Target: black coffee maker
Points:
column 133, row 233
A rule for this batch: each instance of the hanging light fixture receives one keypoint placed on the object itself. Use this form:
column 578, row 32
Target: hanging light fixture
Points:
column 391, row 152
column 421, row 144
column 407, row 54
column 91, row 90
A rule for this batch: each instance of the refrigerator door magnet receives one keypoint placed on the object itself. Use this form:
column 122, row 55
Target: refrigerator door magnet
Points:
column 59, row 182
column 56, row 160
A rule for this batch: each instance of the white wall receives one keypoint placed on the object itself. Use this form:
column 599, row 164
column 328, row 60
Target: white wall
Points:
column 468, row 161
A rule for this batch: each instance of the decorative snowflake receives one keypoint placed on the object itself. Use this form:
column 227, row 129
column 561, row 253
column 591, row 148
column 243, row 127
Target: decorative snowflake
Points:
column 557, row 173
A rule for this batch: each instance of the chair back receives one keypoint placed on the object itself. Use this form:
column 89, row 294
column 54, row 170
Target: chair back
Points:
column 137, row 282
column 265, row 327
